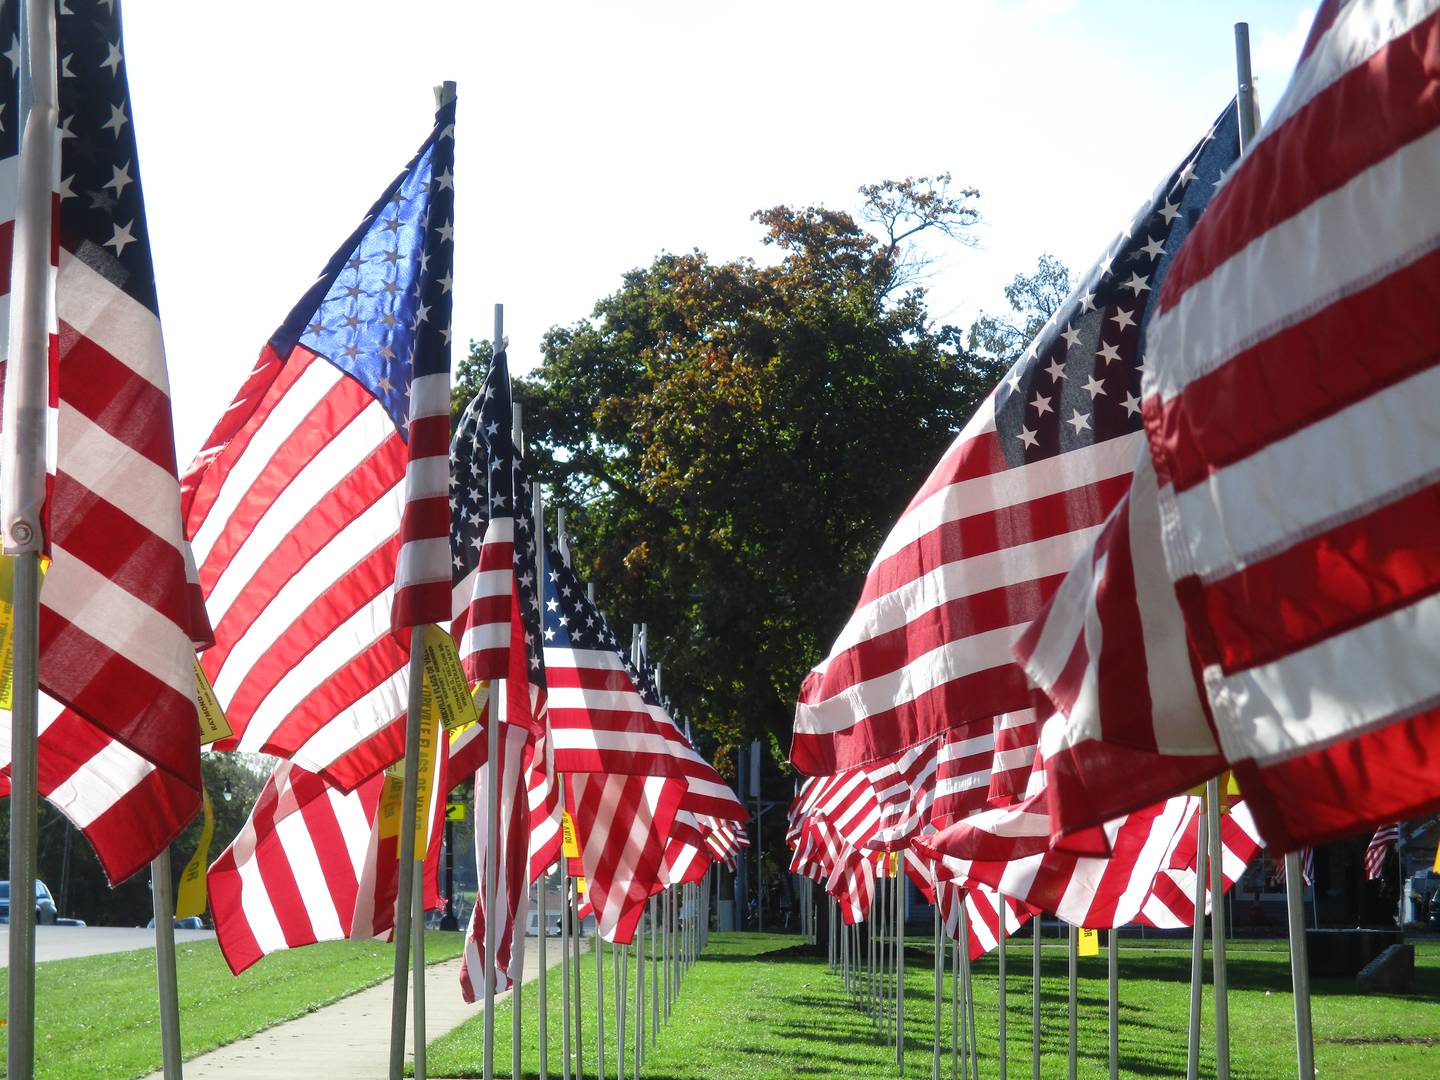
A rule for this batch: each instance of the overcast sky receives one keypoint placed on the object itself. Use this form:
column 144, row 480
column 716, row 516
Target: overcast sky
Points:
column 592, row 136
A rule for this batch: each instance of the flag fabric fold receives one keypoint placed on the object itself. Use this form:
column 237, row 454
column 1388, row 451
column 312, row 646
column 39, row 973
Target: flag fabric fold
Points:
column 1010, row 506
column 119, row 750
column 315, row 509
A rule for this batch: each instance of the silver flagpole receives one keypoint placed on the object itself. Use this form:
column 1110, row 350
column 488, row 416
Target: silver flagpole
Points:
column 959, row 1059
column 1000, row 960
column 1197, row 946
column 544, row 930
column 163, row 900
column 26, row 409
column 665, row 906
column 564, row 957
column 417, row 967
column 939, row 990
column 1217, row 936
column 656, row 945
column 640, row 994
column 599, row 947
column 1114, row 964
column 622, row 993
column 966, row 978
column 576, row 933
column 1074, row 942
column 1035, row 1004
column 404, row 890
column 492, row 816
column 900, row 979
column 1299, row 966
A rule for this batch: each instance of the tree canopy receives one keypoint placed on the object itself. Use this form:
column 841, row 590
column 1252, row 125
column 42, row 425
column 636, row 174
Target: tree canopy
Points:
column 733, row 440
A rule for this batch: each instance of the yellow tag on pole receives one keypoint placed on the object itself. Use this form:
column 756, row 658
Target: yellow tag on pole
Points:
column 569, row 839
column 7, row 632
column 7, row 627
column 455, row 811
column 446, row 677
column 1088, row 942
column 213, row 725
column 425, row 773
column 1437, row 859
column 190, row 898
column 580, row 885
column 387, row 816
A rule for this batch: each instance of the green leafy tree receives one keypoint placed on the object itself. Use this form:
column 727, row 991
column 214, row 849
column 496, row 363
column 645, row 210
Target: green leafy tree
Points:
column 732, row 441
column 1033, row 299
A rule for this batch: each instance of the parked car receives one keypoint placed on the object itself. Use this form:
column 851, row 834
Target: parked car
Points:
column 44, row 903
column 191, row 922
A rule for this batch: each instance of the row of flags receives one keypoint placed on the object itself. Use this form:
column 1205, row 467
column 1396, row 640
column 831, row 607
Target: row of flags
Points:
column 329, row 527
column 1187, row 534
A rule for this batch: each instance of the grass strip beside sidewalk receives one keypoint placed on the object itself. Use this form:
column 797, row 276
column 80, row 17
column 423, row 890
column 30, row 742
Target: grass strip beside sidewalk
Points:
column 98, row 1016
column 762, row 1006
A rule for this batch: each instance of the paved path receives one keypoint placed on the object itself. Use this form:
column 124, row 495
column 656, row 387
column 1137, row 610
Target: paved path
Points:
column 64, row 942
column 350, row 1038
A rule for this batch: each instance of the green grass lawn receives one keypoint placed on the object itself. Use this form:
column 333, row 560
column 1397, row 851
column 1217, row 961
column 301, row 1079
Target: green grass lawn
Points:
column 762, row 1006
column 97, row 1016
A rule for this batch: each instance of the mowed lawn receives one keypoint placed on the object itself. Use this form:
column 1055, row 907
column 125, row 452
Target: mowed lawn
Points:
column 764, row 1006
column 97, row 1016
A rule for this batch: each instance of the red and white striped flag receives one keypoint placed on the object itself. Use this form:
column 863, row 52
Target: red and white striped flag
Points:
column 962, row 774
column 1381, row 844
column 1295, row 525
column 991, row 915
column 1171, row 902
column 119, row 750
column 1005, row 513
column 313, row 863
column 904, row 787
column 317, row 508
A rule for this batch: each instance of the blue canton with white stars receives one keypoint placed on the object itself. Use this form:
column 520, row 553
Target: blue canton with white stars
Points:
column 102, row 209
column 1079, row 381
column 571, row 620
column 381, row 310
column 488, row 480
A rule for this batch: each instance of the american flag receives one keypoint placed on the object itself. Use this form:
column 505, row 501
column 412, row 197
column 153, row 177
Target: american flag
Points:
column 1296, row 525
column 1012, row 503
column 318, row 527
column 495, row 605
column 962, row 774
column 1171, row 902
column 1385, row 838
column 119, row 750
column 905, row 790
column 598, row 717
column 991, row 916
column 313, row 863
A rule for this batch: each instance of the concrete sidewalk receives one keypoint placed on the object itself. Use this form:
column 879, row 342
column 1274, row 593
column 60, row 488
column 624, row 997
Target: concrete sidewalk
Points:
column 350, row 1038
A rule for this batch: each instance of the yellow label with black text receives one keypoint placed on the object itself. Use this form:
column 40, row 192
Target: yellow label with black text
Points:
column 213, row 725
column 7, row 627
column 190, row 897
column 569, row 840
column 1088, row 942
column 443, row 673
column 387, row 817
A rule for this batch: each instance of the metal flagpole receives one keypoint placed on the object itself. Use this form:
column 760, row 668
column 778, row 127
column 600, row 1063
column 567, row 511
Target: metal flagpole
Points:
column 1114, row 964
column 163, row 900
column 564, row 957
column 1197, row 947
column 544, row 931
column 1299, row 966
column 1217, row 936
column 1035, row 1004
column 900, row 979
column 492, row 816
column 1000, row 960
column 1074, row 942
column 573, row 899
column 404, row 891
column 640, row 993
column 939, row 989
column 517, row 951
column 969, row 990
column 599, row 947
column 655, row 948
column 959, row 1060
column 26, row 395
column 622, row 976
column 417, row 967
column 665, row 948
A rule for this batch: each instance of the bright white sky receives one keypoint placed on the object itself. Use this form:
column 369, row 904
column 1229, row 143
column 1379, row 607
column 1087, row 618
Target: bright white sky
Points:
column 592, row 136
